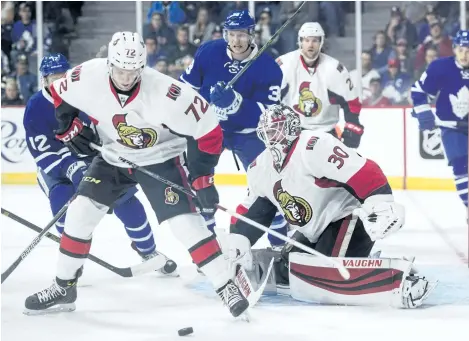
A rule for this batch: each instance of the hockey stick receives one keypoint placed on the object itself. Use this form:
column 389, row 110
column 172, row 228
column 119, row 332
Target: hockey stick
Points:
column 263, row 48
column 340, row 267
column 136, row 270
column 458, row 125
column 35, row 241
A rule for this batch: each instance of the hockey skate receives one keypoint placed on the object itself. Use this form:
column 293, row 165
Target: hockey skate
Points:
column 59, row 297
column 416, row 290
column 170, row 267
column 233, row 298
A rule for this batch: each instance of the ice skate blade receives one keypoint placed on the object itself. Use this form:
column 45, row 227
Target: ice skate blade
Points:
column 172, row 274
column 60, row 308
column 244, row 317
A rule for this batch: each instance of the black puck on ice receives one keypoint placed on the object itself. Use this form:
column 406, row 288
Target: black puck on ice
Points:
column 185, row 331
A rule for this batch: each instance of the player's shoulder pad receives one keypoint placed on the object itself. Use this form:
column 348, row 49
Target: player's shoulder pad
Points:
column 312, row 140
column 208, row 48
column 36, row 108
column 87, row 69
column 440, row 66
column 171, row 88
column 288, row 59
column 271, row 70
column 332, row 64
column 256, row 167
column 36, row 101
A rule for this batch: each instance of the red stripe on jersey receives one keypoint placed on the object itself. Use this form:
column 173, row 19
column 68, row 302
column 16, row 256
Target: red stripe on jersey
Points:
column 355, row 106
column 95, row 121
column 202, row 254
column 77, row 246
column 289, row 154
column 240, row 210
column 340, row 238
column 367, row 180
column 212, row 142
column 57, row 99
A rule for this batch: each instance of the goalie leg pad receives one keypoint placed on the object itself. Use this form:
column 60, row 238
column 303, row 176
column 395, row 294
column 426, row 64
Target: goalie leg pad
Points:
column 373, row 282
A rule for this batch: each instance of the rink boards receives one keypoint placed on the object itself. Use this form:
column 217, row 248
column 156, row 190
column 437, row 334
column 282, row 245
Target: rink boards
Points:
column 410, row 159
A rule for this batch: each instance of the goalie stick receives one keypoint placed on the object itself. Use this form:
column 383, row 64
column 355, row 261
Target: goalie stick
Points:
column 339, row 266
column 150, row 265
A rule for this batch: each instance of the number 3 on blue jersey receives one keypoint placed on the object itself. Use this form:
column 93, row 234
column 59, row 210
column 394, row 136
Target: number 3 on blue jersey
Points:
column 274, row 94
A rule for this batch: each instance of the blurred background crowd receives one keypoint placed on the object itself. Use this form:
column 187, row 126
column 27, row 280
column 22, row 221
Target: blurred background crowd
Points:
column 395, row 55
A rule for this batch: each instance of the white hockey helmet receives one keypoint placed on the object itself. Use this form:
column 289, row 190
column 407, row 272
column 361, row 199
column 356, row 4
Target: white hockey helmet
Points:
column 127, row 52
column 311, row 29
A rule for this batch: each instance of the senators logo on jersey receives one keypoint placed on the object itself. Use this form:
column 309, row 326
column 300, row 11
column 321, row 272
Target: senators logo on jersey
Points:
column 308, row 104
column 133, row 137
column 171, row 198
column 297, row 210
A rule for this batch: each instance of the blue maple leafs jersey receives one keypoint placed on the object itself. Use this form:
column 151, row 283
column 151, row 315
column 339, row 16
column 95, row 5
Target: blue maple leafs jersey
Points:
column 259, row 85
column 449, row 82
column 51, row 155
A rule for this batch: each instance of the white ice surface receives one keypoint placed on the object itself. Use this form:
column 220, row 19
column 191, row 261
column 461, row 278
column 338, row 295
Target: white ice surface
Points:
column 151, row 308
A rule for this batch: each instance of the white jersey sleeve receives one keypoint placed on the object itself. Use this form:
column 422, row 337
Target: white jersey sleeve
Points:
column 190, row 114
column 325, row 157
column 340, row 82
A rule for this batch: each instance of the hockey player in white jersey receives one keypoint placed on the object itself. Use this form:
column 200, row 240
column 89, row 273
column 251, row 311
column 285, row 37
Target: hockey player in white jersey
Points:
column 150, row 119
column 314, row 84
column 340, row 204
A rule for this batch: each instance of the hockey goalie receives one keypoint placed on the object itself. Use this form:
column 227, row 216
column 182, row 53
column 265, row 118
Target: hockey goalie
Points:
column 340, row 203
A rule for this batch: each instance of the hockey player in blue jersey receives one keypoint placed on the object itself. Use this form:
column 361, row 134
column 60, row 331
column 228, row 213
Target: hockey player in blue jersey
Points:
column 239, row 107
column 448, row 79
column 59, row 171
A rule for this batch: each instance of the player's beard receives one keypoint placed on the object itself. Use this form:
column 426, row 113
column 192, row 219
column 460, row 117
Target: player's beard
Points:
column 310, row 56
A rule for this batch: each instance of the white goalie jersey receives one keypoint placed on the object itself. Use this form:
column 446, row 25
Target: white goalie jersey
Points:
column 140, row 127
column 314, row 92
column 321, row 181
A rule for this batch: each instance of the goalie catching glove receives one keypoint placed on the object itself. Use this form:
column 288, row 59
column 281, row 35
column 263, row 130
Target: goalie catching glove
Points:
column 380, row 217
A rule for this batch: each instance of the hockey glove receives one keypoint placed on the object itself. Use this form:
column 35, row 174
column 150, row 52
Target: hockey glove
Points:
column 352, row 134
column 76, row 171
column 226, row 102
column 426, row 119
column 380, row 218
column 77, row 137
column 206, row 194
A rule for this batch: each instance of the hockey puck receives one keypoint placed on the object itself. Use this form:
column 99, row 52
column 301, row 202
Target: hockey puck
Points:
column 185, row 331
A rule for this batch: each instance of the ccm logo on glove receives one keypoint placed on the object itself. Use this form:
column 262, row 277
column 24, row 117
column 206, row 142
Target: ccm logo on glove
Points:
column 75, row 128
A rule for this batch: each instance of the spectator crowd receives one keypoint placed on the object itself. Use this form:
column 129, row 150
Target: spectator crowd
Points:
column 174, row 30
column 415, row 35
column 19, row 43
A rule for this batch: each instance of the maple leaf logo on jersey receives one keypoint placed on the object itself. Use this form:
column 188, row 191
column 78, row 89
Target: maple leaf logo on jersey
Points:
column 297, row 210
column 133, row 137
column 460, row 102
column 308, row 104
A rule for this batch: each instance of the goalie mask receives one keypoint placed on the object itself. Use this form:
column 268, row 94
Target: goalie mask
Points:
column 279, row 127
